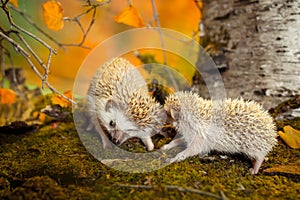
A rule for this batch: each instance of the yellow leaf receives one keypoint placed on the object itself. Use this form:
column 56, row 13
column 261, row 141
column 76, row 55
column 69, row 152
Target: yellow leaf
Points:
column 292, row 169
column 290, row 136
column 57, row 99
column 130, row 16
column 14, row 2
column 53, row 15
column 7, row 96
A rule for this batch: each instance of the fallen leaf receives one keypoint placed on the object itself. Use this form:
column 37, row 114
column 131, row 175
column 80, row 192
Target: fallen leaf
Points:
column 14, row 2
column 57, row 99
column 53, row 15
column 130, row 16
column 287, row 169
column 41, row 117
column 290, row 136
column 7, row 96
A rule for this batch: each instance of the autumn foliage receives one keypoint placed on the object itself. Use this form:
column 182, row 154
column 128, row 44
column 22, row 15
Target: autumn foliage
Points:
column 7, row 96
column 290, row 136
column 130, row 16
column 57, row 99
column 53, row 15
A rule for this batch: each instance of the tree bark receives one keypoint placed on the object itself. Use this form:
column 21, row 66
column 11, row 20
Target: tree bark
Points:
column 261, row 40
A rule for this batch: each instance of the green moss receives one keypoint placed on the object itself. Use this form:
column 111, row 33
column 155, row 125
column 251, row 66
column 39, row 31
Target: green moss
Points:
column 52, row 163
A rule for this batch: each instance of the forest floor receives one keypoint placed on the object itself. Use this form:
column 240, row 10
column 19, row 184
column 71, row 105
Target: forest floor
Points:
column 49, row 161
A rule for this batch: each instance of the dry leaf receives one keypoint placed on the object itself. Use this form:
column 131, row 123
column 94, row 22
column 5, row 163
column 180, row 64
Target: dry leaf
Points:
column 130, row 16
column 287, row 169
column 290, row 136
column 57, row 99
column 7, row 96
column 14, row 2
column 53, row 15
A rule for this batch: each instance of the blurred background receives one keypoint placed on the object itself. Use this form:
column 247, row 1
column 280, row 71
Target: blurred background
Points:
column 182, row 16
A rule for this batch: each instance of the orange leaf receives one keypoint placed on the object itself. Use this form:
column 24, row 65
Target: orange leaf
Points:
column 290, row 136
column 57, row 99
column 292, row 169
column 130, row 16
column 53, row 15
column 14, row 2
column 7, row 96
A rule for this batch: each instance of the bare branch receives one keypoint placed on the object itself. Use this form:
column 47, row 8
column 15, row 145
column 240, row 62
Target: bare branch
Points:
column 156, row 18
column 31, row 50
column 33, row 37
column 20, row 32
column 2, row 65
column 77, row 21
column 163, row 45
column 17, row 47
column 58, row 92
column 27, row 18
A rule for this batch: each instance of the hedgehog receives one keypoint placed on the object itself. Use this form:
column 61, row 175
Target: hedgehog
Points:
column 118, row 100
column 227, row 125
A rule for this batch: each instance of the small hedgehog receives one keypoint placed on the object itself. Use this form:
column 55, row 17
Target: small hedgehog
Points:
column 118, row 99
column 229, row 126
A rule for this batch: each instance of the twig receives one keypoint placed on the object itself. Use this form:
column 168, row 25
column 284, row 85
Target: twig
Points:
column 18, row 48
column 26, row 51
column 200, row 28
column 172, row 187
column 2, row 65
column 27, row 18
column 156, row 18
column 77, row 21
column 31, row 50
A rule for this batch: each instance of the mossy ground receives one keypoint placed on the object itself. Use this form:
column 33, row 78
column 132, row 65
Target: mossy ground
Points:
column 52, row 163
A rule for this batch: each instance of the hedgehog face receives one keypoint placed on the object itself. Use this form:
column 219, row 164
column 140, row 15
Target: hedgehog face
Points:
column 119, row 126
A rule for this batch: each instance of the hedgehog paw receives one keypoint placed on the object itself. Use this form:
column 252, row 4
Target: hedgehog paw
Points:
column 148, row 143
column 166, row 147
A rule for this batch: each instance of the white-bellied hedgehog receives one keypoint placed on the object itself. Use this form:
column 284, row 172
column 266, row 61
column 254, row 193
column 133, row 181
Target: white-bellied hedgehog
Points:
column 229, row 126
column 118, row 100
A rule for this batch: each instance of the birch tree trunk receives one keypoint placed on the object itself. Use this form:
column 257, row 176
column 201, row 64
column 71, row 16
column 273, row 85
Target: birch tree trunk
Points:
column 261, row 40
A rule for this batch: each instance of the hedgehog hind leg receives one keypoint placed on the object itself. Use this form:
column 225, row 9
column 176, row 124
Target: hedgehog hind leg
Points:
column 174, row 143
column 256, row 163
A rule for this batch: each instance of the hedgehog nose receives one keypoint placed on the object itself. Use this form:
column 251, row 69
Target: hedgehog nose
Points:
column 115, row 141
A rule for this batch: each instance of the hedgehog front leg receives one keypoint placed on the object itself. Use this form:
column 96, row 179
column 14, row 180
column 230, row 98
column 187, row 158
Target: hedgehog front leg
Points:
column 106, row 143
column 256, row 163
column 148, row 143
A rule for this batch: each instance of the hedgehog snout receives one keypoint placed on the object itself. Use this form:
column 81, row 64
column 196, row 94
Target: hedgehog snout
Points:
column 116, row 141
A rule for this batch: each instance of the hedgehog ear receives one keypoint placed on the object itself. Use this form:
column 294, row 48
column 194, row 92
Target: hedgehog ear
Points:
column 110, row 104
column 174, row 113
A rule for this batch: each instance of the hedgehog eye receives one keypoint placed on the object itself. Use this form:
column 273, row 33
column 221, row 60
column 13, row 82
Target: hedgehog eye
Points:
column 112, row 123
